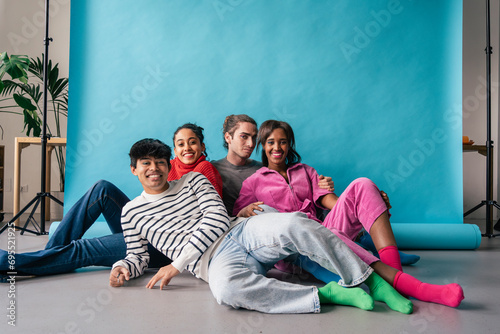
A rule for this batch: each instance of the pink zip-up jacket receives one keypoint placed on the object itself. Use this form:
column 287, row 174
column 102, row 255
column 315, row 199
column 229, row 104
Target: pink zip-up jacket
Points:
column 268, row 186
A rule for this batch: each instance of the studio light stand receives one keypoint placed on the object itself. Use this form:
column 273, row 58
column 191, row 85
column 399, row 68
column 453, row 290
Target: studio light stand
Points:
column 40, row 197
column 489, row 202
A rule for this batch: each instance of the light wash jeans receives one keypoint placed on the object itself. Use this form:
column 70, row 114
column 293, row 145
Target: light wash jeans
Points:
column 238, row 268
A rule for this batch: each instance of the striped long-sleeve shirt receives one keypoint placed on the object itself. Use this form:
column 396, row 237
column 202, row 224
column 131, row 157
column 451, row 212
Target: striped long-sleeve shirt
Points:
column 182, row 223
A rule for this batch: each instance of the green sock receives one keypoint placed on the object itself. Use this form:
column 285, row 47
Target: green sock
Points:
column 332, row 293
column 382, row 291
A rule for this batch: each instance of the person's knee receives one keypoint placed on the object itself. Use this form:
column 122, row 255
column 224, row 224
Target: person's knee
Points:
column 363, row 181
column 364, row 184
column 103, row 185
column 104, row 188
column 222, row 289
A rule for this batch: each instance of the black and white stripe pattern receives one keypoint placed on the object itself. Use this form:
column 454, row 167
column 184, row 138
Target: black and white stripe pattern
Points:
column 182, row 223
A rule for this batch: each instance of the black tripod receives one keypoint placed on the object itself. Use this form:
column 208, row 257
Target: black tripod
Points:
column 489, row 202
column 40, row 197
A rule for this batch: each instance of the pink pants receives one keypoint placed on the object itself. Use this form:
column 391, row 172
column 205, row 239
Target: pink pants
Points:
column 357, row 207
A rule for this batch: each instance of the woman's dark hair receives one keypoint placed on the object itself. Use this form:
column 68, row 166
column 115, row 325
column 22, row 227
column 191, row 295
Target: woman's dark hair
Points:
column 149, row 148
column 231, row 125
column 265, row 131
column 198, row 131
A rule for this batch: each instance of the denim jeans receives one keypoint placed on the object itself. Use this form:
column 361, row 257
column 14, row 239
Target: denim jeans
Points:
column 307, row 264
column 66, row 251
column 238, row 268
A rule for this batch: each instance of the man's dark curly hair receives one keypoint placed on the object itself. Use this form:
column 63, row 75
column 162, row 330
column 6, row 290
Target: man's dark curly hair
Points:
column 149, row 147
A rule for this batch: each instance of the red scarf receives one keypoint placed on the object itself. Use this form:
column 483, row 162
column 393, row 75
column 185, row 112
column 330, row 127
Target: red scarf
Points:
column 178, row 169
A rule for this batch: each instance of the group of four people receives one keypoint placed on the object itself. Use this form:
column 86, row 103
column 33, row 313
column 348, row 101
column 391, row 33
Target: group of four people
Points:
column 180, row 222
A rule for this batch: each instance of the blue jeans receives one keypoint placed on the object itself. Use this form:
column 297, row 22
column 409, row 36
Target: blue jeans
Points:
column 238, row 268
column 66, row 251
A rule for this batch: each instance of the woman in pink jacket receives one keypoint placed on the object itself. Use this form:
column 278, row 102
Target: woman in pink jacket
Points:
column 288, row 185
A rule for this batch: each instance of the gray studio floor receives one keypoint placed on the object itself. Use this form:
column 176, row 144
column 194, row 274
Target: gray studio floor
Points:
column 82, row 302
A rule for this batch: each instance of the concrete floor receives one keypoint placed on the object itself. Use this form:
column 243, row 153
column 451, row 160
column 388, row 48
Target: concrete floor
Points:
column 82, row 302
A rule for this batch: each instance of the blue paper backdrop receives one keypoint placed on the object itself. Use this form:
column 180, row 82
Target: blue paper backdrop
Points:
column 371, row 88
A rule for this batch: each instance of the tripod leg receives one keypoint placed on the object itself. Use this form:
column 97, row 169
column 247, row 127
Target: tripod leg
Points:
column 30, row 218
column 6, row 226
column 10, row 223
column 475, row 208
column 497, row 226
column 49, row 195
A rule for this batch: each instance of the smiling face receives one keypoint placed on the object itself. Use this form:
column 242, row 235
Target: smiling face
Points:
column 241, row 144
column 152, row 174
column 276, row 148
column 188, row 147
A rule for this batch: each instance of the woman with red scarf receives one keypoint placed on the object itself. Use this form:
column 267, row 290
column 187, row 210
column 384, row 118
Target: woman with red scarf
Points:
column 190, row 156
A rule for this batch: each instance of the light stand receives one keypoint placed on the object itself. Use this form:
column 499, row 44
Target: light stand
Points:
column 489, row 202
column 39, row 199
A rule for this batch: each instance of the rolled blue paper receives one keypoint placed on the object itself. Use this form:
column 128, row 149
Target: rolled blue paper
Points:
column 437, row 236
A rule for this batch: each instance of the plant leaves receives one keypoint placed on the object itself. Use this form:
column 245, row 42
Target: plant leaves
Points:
column 15, row 66
column 53, row 73
column 32, row 122
column 10, row 86
column 55, row 86
column 59, row 87
column 24, row 102
column 28, row 95
column 36, row 68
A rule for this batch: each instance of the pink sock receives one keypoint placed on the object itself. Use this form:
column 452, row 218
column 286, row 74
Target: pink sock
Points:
column 449, row 294
column 390, row 256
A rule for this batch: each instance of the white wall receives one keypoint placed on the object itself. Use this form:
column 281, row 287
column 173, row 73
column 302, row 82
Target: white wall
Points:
column 21, row 23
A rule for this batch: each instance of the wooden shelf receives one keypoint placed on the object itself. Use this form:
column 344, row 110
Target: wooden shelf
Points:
column 481, row 149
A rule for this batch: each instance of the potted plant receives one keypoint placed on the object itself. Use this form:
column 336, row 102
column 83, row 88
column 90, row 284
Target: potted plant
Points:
column 24, row 89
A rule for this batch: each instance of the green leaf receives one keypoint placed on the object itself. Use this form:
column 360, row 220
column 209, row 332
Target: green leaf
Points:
column 34, row 91
column 24, row 77
column 1, row 86
column 36, row 68
column 9, row 87
column 60, row 86
column 24, row 102
column 53, row 73
column 32, row 122
column 15, row 66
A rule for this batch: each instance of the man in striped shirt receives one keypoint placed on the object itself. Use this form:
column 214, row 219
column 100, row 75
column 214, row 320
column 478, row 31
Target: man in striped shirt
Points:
column 186, row 220
column 180, row 218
